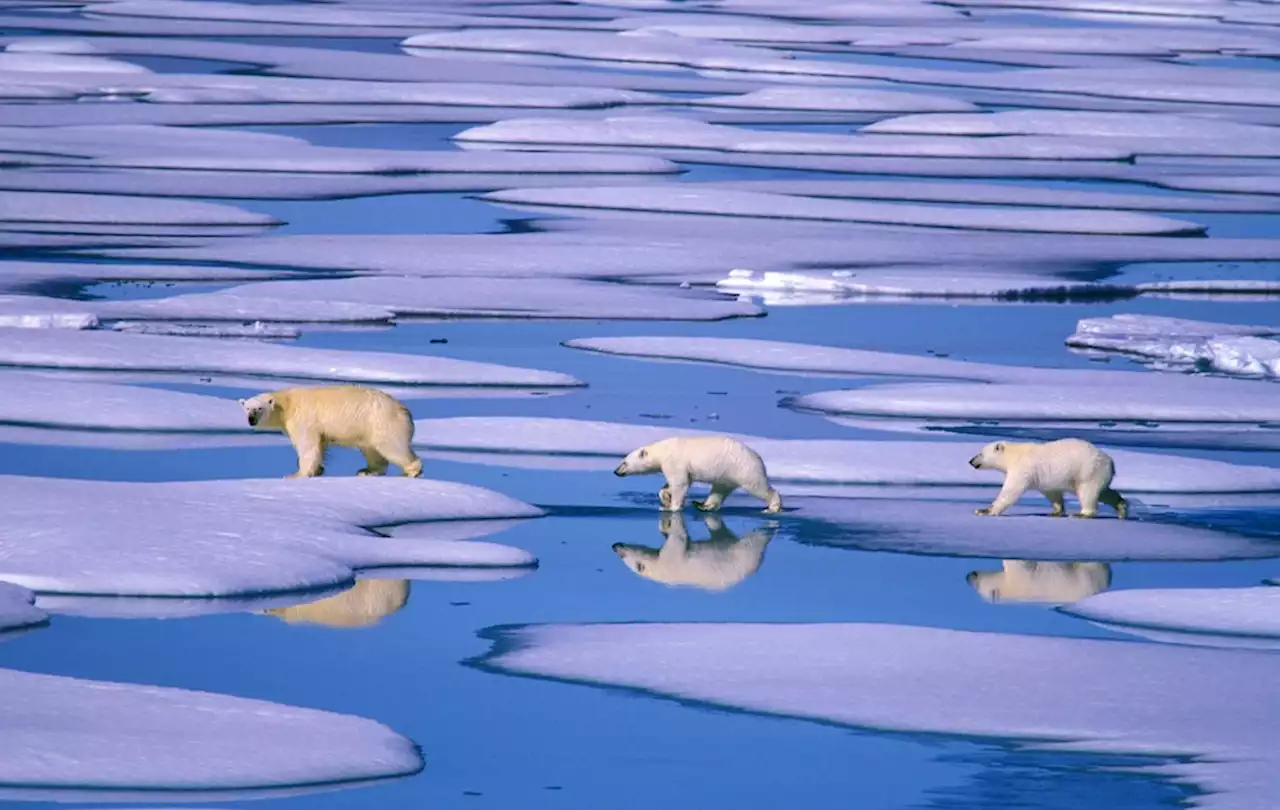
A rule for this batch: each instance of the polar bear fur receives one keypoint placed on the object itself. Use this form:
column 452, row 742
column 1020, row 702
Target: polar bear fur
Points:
column 711, row 565
column 1058, row 583
column 376, row 424
column 365, row 604
column 1052, row 468
column 723, row 462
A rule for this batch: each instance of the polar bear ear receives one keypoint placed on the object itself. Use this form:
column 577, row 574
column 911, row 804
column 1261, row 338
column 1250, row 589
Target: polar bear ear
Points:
column 644, row 453
column 999, row 447
column 241, row 402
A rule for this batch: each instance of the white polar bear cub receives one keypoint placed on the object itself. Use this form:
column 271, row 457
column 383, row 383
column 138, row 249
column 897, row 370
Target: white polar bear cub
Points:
column 724, row 463
column 1057, row 583
column 1065, row 465
column 711, row 565
column 376, row 424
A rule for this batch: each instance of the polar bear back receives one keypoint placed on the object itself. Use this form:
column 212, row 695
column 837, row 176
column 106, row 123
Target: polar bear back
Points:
column 1059, row 465
column 713, row 459
column 346, row 415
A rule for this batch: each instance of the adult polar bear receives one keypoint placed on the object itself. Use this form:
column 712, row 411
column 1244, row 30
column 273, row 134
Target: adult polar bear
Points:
column 376, row 424
column 721, row 461
column 1065, row 465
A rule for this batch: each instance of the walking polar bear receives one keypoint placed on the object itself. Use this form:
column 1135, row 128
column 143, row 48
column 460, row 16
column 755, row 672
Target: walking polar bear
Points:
column 710, row 565
column 723, row 462
column 376, row 424
column 1056, row 583
column 1065, row 465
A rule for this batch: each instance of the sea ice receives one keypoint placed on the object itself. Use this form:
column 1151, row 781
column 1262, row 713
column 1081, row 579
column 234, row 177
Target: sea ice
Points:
column 17, row 609
column 181, row 540
column 1218, row 616
column 502, row 298
column 35, row 312
column 1206, row 715
column 71, row 739
column 117, row 351
column 29, row 207
column 33, row 277
column 690, row 199
column 530, row 440
column 1224, row 348
column 843, row 99
column 31, row 400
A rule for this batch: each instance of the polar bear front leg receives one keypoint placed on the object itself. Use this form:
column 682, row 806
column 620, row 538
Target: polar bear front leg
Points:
column 677, row 488
column 310, row 449
column 1009, row 495
column 1055, row 500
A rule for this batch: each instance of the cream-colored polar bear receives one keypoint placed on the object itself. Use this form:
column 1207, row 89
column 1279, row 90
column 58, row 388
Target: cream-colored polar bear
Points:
column 368, row 602
column 376, row 424
column 1065, row 465
column 724, row 463
column 712, row 565
column 1058, row 583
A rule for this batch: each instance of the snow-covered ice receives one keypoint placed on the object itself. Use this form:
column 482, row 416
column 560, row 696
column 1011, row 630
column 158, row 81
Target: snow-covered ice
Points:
column 1212, row 616
column 35, row 312
column 70, row 739
column 598, row 445
column 181, row 539
column 37, row 401
column 1205, row 714
column 844, row 99
column 222, row 306
column 117, row 351
column 27, row 207
column 17, row 609
column 1241, row 350
column 503, row 298
column 30, row 276
column 690, row 199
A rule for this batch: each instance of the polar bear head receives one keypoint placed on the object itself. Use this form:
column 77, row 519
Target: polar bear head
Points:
column 640, row 559
column 262, row 410
column 992, row 457
column 639, row 462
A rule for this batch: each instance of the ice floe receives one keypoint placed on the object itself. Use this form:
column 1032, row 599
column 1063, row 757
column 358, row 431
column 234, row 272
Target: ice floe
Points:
column 182, row 540
column 36, row 401
column 1210, row 728
column 71, row 739
column 1175, row 342
column 19, row 208
column 501, row 298
column 35, row 312
column 121, row 352
column 843, row 99
column 540, row 441
column 656, row 131
column 17, row 609
column 221, row 306
column 250, row 331
column 1217, row 617
column 32, row 277
column 690, row 199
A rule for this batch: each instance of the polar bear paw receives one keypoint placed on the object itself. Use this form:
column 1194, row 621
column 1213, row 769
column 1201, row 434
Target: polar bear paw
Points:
column 983, row 512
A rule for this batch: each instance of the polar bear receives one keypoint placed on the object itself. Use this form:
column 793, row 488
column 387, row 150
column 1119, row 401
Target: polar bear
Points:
column 711, row 565
column 723, row 462
column 1065, row 465
column 366, row 603
column 1058, row 583
column 343, row 415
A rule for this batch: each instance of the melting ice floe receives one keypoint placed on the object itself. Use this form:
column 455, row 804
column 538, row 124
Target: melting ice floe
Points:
column 527, row 441
column 180, row 539
column 831, row 99
column 1216, row 617
column 25, row 210
column 69, row 739
column 1249, row 351
column 223, row 306
column 1205, row 715
column 17, row 609
column 31, row 277
column 690, row 199
column 113, row 351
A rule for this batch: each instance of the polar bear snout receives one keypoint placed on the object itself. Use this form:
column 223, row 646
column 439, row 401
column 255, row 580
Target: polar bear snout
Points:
column 621, row 470
column 976, row 462
column 254, row 418
column 971, row 577
column 619, row 549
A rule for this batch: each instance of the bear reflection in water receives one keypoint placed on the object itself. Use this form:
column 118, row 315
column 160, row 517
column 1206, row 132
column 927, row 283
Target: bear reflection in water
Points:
column 712, row 565
column 363, row 605
column 1056, row 583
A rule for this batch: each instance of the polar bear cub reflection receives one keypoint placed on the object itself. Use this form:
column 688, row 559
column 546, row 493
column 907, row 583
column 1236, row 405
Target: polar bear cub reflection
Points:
column 711, row 565
column 1057, row 583
column 365, row 604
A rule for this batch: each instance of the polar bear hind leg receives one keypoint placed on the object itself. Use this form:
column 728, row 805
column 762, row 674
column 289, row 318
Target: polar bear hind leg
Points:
column 401, row 455
column 718, row 493
column 375, row 462
column 1055, row 500
column 1116, row 501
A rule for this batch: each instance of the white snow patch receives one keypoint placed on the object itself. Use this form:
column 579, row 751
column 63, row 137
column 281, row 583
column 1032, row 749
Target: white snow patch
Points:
column 1225, row 348
column 1244, row 615
column 37, row 401
column 182, row 539
column 68, row 739
column 690, row 199
column 1210, row 725
column 17, row 609
column 832, row 99
column 117, row 351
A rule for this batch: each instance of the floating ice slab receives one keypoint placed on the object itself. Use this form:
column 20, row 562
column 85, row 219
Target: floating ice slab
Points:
column 504, row 298
column 689, row 199
column 36, row 401
column 114, row 351
column 1243, row 615
column 1074, row 122
column 912, row 284
column 32, row 62
column 831, row 99
column 181, row 539
column 35, row 312
column 34, row 276
column 70, row 739
column 682, row 133
column 1226, row 348
column 949, row 528
column 1212, row 727
column 36, row 207
column 974, row 193
column 229, row 305
column 253, row 331
column 522, row 440
column 17, row 609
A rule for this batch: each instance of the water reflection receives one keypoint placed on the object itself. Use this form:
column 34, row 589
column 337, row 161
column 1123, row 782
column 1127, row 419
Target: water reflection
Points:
column 364, row 605
column 716, row 564
column 1029, row 581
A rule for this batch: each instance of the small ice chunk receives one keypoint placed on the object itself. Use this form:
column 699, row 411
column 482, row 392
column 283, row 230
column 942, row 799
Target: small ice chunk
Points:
column 1226, row 348
column 116, row 351
column 1188, row 614
column 17, row 609
column 253, row 331
column 35, row 312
